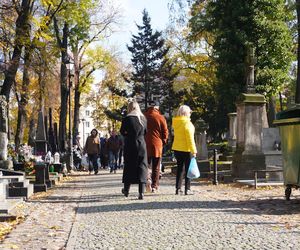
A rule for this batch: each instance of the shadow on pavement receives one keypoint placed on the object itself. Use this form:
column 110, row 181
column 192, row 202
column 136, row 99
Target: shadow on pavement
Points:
column 268, row 207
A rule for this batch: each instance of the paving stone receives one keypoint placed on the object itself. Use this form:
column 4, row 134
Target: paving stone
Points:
column 89, row 212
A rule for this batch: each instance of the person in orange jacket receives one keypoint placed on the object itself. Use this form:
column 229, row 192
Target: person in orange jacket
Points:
column 156, row 137
column 184, row 145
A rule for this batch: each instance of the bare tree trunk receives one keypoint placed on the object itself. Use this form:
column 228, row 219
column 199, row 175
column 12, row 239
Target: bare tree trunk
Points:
column 297, row 95
column 31, row 133
column 271, row 111
column 76, row 110
column 64, row 92
column 22, row 24
column 24, row 92
column 77, row 90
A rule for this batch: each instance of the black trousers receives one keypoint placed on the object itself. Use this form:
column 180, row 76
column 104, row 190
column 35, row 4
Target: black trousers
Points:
column 183, row 161
column 142, row 187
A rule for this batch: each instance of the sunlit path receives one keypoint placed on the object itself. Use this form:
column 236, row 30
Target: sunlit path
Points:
column 89, row 212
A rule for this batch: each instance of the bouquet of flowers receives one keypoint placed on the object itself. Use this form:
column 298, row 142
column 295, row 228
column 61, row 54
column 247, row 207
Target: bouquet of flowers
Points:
column 25, row 155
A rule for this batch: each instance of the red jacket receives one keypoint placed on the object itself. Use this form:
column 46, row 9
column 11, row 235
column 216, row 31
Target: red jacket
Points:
column 157, row 132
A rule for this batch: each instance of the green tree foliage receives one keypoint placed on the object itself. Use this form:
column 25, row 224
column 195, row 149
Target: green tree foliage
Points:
column 148, row 52
column 235, row 25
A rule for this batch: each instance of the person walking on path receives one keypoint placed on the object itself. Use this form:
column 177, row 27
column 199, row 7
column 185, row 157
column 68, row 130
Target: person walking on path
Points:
column 92, row 148
column 133, row 129
column 113, row 146
column 121, row 150
column 184, row 146
column 156, row 138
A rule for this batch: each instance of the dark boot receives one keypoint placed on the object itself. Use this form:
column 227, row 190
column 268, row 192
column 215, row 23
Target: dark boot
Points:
column 125, row 192
column 141, row 196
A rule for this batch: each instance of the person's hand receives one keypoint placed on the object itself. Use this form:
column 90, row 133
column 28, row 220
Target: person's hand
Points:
column 194, row 154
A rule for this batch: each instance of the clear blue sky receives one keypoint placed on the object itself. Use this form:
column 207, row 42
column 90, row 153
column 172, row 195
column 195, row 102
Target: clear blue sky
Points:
column 132, row 14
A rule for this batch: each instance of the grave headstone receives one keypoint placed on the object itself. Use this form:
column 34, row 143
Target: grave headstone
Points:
column 40, row 140
column 4, row 163
column 51, row 135
column 251, row 119
column 232, row 130
column 56, row 137
column 271, row 147
column 201, row 144
column 40, row 177
column 3, row 128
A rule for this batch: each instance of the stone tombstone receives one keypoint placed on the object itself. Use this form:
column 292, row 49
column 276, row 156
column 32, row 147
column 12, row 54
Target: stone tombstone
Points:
column 55, row 128
column 3, row 128
column 232, row 130
column 51, row 136
column 251, row 119
column 40, row 177
column 40, row 140
column 200, row 139
column 271, row 147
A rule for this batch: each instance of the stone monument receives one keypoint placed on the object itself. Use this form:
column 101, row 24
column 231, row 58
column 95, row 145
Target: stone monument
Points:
column 251, row 119
column 51, row 136
column 271, row 147
column 3, row 128
column 40, row 140
column 201, row 144
column 232, row 130
column 4, row 163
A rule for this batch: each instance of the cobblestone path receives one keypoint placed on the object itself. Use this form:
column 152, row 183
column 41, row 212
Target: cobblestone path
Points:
column 95, row 215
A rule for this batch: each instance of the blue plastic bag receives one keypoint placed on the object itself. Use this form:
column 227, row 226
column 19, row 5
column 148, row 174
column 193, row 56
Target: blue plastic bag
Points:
column 193, row 171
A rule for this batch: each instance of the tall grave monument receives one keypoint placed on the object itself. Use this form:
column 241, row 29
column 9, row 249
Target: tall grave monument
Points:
column 251, row 119
column 4, row 163
column 41, row 139
column 3, row 128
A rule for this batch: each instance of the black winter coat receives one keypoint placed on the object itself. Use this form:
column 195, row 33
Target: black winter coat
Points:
column 135, row 153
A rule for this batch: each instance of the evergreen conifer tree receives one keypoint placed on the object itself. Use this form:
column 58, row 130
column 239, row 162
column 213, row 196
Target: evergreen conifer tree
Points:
column 148, row 53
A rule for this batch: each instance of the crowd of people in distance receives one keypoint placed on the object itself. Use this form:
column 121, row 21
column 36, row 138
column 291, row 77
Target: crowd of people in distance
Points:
column 138, row 148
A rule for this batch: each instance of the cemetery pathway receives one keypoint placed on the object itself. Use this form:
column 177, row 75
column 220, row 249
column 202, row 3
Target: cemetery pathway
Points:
column 89, row 212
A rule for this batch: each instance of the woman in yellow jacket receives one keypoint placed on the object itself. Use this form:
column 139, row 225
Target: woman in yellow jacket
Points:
column 183, row 145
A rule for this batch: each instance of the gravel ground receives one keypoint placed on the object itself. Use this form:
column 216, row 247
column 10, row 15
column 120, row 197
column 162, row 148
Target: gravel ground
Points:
column 89, row 212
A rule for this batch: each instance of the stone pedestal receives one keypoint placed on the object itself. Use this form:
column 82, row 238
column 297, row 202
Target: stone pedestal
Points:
column 200, row 140
column 8, row 164
column 40, row 178
column 251, row 119
column 3, row 146
column 47, row 177
column 58, row 167
column 232, row 130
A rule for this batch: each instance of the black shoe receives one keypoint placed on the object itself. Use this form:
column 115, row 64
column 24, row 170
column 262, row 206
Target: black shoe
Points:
column 188, row 192
column 178, row 191
column 126, row 193
column 96, row 172
column 141, row 196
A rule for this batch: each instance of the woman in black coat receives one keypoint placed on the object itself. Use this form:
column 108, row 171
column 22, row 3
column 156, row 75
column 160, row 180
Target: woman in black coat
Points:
column 133, row 129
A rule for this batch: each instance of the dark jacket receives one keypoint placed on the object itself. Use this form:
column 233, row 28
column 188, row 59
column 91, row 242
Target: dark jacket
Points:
column 135, row 154
column 114, row 144
column 92, row 145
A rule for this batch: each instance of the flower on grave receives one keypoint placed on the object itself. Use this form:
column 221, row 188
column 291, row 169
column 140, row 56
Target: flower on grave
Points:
column 11, row 152
column 25, row 153
column 29, row 167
